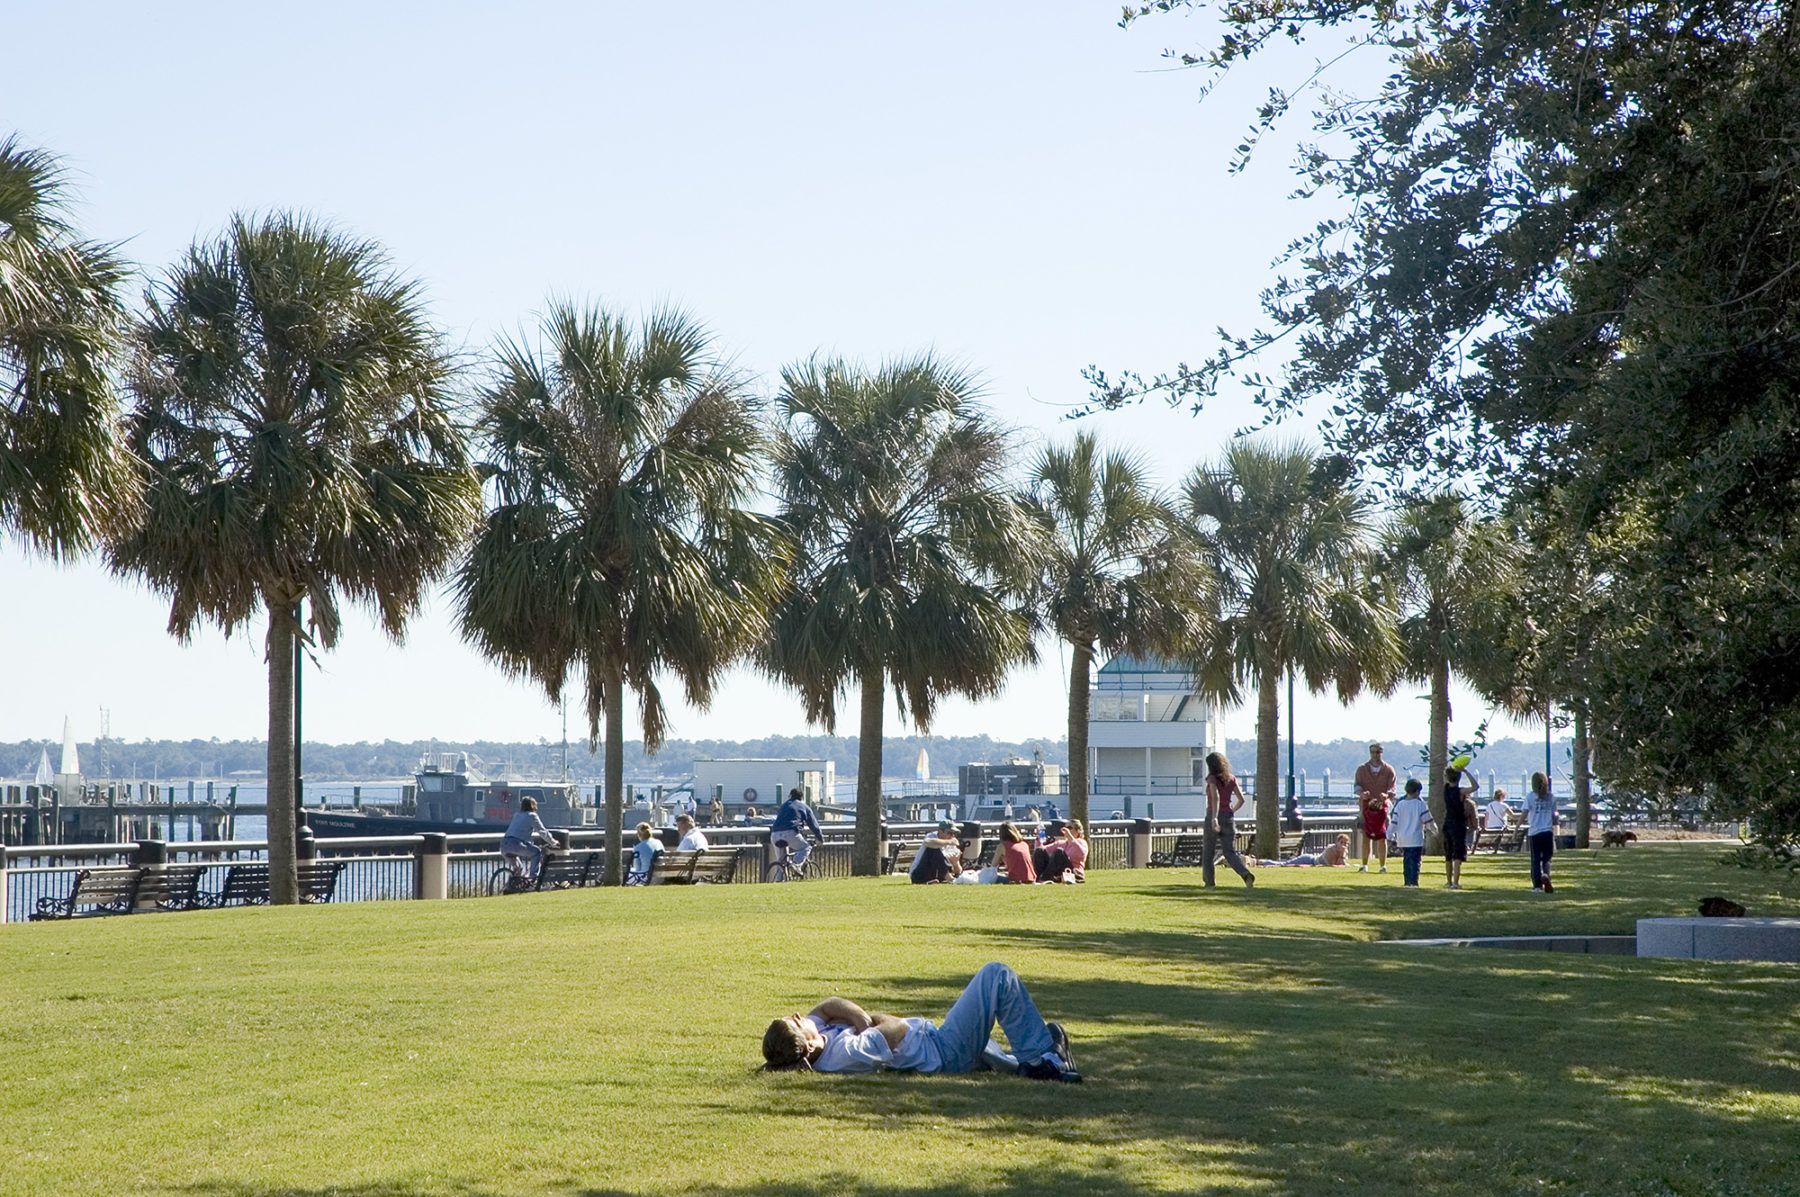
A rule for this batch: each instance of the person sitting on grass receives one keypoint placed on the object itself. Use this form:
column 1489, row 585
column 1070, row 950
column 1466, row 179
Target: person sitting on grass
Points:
column 837, row 1035
column 1016, row 855
column 1334, row 855
column 643, row 856
column 1074, row 846
column 939, row 858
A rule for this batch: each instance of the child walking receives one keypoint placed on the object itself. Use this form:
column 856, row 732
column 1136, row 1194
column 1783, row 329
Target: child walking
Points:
column 1406, row 830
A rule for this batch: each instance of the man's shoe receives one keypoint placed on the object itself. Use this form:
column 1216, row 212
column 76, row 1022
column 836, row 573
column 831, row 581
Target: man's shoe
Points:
column 1250, row 881
column 1056, row 1064
column 1362, row 868
column 1059, row 1043
column 1384, row 868
column 1050, row 1069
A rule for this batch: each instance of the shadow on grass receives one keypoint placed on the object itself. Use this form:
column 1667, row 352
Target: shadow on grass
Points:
column 1331, row 1066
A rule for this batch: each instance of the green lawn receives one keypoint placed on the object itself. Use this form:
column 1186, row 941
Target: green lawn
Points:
column 605, row 1042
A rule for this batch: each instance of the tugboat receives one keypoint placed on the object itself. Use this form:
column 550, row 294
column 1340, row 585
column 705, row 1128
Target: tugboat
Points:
column 451, row 796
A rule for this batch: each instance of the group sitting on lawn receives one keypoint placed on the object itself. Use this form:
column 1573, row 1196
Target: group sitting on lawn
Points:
column 1061, row 859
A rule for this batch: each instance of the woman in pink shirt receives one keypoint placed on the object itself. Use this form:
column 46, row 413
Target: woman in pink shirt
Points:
column 1075, row 848
column 1016, row 854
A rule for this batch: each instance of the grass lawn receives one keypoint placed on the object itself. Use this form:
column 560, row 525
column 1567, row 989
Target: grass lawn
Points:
column 605, row 1042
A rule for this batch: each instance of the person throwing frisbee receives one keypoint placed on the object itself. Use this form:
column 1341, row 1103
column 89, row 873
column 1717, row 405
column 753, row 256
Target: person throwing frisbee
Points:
column 1375, row 780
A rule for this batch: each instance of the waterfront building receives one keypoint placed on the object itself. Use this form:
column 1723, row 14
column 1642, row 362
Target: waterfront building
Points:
column 1148, row 735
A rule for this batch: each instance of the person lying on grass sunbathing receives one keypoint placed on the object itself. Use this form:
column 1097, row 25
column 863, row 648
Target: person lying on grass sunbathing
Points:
column 838, row 1035
column 1336, row 853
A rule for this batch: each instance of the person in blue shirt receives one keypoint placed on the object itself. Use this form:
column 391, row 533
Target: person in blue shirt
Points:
column 794, row 824
column 643, row 855
column 524, row 835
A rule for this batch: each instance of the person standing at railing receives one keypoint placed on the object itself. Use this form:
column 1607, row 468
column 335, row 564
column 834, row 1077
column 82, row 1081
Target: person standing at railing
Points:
column 1223, row 798
column 520, row 844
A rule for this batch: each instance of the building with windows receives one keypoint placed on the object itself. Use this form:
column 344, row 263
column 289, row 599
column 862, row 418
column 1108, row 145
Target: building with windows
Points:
column 1148, row 736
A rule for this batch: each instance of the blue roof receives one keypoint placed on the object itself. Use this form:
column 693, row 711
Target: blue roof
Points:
column 1144, row 665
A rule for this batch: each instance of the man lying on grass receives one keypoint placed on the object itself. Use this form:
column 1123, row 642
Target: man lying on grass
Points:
column 838, row 1035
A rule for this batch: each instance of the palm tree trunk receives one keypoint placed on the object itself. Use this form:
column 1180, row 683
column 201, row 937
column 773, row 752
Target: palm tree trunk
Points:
column 1078, row 732
column 1268, row 760
column 615, row 778
column 1437, row 757
column 1583, row 781
column 865, row 856
column 284, row 883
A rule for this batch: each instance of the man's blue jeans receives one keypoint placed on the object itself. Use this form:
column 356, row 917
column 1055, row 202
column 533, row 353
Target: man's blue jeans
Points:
column 995, row 994
column 1409, row 859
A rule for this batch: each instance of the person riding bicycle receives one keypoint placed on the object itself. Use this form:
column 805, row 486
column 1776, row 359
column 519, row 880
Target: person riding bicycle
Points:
column 525, row 839
column 792, row 824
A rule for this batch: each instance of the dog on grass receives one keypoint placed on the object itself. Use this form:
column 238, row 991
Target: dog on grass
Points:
column 1618, row 837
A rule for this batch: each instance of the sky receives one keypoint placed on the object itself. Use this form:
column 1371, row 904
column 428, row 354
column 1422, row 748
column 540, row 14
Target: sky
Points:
column 1016, row 184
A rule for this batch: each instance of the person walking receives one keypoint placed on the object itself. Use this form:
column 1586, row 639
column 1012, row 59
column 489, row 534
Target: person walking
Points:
column 1406, row 828
column 1375, row 781
column 1223, row 798
column 1459, row 816
column 1540, row 831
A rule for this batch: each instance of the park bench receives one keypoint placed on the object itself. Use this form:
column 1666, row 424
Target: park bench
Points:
column 1503, row 839
column 1290, row 844
column 1189, row 852
column 672, row 867
column 94, row 892
column 174, row 887
column 565, row 870
column 248, row 884
column 714, row 866
column 1487, row 839
column 900, row 856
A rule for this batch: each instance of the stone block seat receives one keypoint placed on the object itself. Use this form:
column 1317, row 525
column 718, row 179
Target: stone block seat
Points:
column 1720, row 939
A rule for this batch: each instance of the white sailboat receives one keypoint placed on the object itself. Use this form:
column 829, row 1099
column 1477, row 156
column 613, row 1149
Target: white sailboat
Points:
column 44, row 776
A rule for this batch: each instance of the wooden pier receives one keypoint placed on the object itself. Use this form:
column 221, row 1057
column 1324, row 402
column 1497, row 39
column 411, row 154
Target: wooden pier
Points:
column 111, row 813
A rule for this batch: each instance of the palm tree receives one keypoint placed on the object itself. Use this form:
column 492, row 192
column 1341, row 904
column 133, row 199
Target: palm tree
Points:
column 1117, row 575
column 892, row 487
column 67, row 481
column 1452, row 577
column 1284, row 534
column 291, row 406
column 618, row 544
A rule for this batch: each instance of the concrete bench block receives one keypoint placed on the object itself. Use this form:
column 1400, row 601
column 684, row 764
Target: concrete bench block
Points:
column 1720, row 939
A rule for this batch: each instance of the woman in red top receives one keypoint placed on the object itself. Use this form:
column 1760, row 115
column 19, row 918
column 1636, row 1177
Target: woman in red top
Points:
column 1017, row 855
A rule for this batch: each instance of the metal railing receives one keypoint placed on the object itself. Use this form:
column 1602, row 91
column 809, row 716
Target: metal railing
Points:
column 388, row 868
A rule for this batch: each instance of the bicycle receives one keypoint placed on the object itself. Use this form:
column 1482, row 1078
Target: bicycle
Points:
column 507, row 879
column 784, row 869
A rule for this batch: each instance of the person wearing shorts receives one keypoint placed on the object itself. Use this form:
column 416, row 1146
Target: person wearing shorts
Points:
column 1375, row 780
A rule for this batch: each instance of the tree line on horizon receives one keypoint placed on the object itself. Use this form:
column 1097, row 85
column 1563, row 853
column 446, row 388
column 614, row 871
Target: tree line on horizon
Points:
column 278, row 428
column 1508, row 759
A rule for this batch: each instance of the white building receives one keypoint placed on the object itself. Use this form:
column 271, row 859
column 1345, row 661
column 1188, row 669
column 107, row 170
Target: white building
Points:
column 1148, row 736
column 762, row 782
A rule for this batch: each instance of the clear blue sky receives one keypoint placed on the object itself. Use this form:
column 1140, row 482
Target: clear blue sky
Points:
column 1020, row 185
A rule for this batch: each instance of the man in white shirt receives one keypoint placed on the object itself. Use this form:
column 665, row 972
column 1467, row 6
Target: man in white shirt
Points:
column 692, row 838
